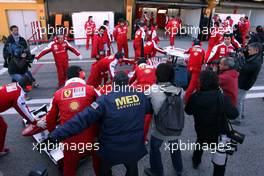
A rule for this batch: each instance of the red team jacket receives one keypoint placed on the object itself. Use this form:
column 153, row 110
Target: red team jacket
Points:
column 97, row 44
column 173, row 27
column 245, row 27
column 140, row 34
column 196, row 58
column 67, row 102
column 152, row 35
column 89, row 27
column 107, row 36
column 101, row 67
column 150, row 49
column 221, row 50
column 120, row 33
column 215, row 37
column 59, row 51
column 12, row 95
column 143, row 75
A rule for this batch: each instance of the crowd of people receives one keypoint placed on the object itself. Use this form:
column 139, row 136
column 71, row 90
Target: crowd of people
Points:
column 92, row 111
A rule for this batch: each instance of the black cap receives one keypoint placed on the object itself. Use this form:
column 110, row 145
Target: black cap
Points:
column 121, row 78
column 73, row 71
column 141, row 61
column 196, row 42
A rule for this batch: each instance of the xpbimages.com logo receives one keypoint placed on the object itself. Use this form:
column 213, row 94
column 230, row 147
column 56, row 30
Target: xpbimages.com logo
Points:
column 79, row 147
column 147, row 89
column 183, row 30
column 191, row 146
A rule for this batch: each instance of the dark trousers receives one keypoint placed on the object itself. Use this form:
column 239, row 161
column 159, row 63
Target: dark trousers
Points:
column 197, row 158
column 155, row 157
column 106, row 169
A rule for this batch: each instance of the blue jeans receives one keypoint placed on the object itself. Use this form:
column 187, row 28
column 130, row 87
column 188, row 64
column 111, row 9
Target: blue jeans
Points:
column 18, row 77
column 155, row 157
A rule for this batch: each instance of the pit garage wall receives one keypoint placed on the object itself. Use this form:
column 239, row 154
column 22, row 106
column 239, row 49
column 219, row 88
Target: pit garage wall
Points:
column 256, row 16
column 191, row 17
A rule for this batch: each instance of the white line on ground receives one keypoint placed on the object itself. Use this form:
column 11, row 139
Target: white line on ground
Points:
column 254, row 95
column 36, row 48
column 3, row 70
column 12, row 111
column 71, row 61
column 39, row 101
column 257, row 88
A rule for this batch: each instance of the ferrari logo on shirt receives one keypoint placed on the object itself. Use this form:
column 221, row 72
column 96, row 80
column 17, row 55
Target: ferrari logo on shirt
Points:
column 67, row 93
column 74, row 106
column 195, row 53
column 76, row 92
column 1, row 87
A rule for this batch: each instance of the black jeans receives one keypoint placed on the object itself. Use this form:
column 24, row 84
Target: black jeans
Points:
column 106, row 169
column 155, row 157
column 197, row 158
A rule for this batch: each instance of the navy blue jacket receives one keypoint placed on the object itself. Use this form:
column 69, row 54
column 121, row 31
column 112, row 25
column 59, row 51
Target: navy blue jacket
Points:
column 122, row 126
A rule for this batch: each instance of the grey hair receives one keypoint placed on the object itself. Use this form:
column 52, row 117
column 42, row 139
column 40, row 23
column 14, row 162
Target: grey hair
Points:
column 229, row 61
column 256, row 45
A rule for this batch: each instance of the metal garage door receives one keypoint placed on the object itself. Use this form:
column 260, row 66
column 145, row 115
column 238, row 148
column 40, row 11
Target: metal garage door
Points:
column 22, row 19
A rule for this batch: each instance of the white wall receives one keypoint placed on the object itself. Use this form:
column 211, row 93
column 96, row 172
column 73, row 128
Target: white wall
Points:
column 191, row 17
column 256, row 16
column 22, row 19
column 79, row 20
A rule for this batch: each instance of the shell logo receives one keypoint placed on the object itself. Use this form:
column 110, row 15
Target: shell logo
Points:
column 74, row 106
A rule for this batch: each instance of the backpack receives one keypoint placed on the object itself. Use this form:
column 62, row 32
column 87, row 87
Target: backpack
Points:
column 170, row 118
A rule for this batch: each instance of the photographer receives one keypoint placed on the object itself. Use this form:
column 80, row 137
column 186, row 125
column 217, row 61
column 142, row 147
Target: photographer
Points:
column 17, row 56
column 204, row 105
column 248, row 74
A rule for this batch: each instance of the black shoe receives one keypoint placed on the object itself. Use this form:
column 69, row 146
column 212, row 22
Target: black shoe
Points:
column 148, row 172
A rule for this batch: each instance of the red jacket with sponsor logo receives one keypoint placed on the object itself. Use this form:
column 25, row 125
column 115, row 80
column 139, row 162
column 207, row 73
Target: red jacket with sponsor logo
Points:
column 196, row 59
column 120, row 33
column 221, row 50
column 215, row 37
column 144, row 75
column 139, row 35
column 59, row 50
column 152, row 35
column 107, row 36
column 107, row 64
column 12, row 95
column 245, row 27
column 97, row 44
column 173, row 27
column 89, row 27
column 150, row 49
column 67, row 102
